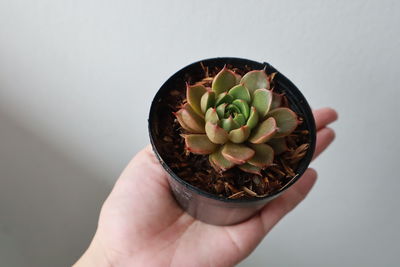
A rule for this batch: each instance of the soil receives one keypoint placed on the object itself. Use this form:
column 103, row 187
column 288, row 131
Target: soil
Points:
column 196, row 169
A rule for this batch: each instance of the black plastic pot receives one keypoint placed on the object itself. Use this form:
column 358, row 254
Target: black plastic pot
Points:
column 207, row 207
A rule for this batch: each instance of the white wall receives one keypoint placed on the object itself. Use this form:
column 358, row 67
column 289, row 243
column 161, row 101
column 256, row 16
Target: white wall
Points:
column 77, row 78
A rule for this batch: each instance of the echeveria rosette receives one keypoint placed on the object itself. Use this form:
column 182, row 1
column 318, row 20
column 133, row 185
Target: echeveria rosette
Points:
column 239, row 121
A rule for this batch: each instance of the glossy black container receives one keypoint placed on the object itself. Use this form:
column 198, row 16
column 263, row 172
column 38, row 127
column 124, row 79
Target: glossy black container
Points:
column 205, row 206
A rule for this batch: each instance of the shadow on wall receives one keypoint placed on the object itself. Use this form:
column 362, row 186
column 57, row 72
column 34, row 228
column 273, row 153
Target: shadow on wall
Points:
column 49, row 205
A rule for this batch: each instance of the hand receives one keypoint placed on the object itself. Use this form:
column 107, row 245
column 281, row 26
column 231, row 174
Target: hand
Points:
column 141, row 224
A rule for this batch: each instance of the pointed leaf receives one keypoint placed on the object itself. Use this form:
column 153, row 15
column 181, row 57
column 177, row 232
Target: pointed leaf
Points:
column 240, row 92
column 253, row 118
column 219, row 162
column 229, row 124
column 239, row 135
column 237, row 153
column 223, row 81
column 189, row 120
column 193, row 96
column 255, row 79
column 199, row 144
column 279, row 145
column 263, row 132
column 207, row 101
column 216, row 134
column 262, row 101
column 243, row 106
column 221, row 110
column 263, row 157
column 178, row 116
column 250, row 168
column 240, row 119
column 212, row 116
column 276, row 100
column 286, row 121
column 223, row 98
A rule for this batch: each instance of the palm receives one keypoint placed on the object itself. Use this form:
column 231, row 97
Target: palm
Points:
column 140, row 223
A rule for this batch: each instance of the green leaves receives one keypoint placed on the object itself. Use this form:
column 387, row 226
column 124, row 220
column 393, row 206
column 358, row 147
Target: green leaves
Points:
column 223, row 98
column 189, row 120
column 212, row 116
column 232, row 109
column 239, row 135
column 286, row 121
column 253, row 118
column 229, row 124
column 221, row 110
column 223, row 81
column 237, row 122
column 237, row 153
column 262, row 101
column 243, row 107
column 207, row 101
column 240, row 92
column 216, row 134
column 219, row 161
column 264, row 155
column 240, row 119
column 263, row 132
column 254, row 80
column 199, row 144
column 193, row 95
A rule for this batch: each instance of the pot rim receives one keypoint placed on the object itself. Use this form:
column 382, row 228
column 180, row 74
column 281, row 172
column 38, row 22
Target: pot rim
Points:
column 300, row 170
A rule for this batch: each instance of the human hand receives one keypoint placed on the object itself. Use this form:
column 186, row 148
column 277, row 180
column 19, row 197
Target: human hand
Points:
column 140, row 223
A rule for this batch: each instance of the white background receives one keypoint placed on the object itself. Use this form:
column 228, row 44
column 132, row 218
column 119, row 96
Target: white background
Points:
column 77, row 78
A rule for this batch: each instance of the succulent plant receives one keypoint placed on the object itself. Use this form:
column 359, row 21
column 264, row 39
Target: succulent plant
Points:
column 238, row 121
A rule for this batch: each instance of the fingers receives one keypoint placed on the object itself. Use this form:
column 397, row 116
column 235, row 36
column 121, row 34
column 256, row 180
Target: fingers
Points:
column 324, row 116
column 279, row 207
column 325, row 137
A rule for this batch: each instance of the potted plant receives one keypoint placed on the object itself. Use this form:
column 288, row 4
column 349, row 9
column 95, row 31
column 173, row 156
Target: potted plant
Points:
column 233, row 134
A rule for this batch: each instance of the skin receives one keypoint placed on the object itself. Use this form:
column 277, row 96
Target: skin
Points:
column 140, row 223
